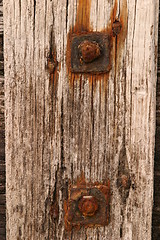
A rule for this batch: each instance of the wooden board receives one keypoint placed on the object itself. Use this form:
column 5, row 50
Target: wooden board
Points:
column 61, row 124
column 156, row 208
column 2, row 134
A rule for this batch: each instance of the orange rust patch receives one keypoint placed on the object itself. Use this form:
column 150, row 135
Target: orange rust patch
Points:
column 81, row 180
column 82, row 25
column 83, row 17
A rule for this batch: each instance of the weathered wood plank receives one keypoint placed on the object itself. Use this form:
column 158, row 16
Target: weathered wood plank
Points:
column 2, row 135
column 60, row 125
column 156, row 209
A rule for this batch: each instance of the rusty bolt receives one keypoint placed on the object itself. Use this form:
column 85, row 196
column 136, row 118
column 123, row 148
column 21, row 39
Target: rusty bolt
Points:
column 88, row 205
column 89, row 51
column 116, row 28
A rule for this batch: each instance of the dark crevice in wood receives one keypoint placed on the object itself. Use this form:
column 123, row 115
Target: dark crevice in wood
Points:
column 72, row 173
column 121, row 232
column 66, row 13
column 34, row 12
column 20, row 7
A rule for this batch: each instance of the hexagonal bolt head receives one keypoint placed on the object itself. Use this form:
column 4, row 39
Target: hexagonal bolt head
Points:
column 88, row 205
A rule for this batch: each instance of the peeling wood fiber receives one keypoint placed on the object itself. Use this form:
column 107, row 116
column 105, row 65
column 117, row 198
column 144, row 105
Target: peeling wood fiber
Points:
column 60, row 124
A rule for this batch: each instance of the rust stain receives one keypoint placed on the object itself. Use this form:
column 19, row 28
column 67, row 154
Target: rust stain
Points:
column 81, row 26
column 112, row 19
column 117, row 42
column 83, row 17
column 81, row 181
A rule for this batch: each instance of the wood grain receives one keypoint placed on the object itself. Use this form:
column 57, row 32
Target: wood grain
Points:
column 60, row 124
column 2, row 134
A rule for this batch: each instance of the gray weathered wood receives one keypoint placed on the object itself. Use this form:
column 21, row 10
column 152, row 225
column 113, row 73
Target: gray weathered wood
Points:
column 60, row 125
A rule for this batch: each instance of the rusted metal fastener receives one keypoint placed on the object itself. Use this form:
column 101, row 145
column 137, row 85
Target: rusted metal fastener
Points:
column 89, row 51
column 88, row 205
column 116, row 28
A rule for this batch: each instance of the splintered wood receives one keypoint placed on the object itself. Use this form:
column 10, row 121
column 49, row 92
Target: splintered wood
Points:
column 60, row 124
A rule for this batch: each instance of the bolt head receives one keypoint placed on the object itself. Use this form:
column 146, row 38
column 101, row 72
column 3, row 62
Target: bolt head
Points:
column 88, row 205
column 89, row 51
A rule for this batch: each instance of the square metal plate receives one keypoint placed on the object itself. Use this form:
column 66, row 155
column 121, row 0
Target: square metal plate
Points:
column 100, row 64
column 74, row 217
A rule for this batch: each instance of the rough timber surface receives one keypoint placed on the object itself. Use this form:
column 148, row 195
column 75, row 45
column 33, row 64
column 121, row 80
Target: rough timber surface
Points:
column 60, row 125
column 2, row 135
column 156, row 207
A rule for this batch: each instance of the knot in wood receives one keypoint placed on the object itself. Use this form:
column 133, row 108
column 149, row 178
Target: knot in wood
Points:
column 88, row 205
column 89, row 51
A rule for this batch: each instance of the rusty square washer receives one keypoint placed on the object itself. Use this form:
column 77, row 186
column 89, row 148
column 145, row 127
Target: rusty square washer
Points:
column 87, row 206
column 90, row 53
